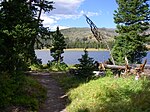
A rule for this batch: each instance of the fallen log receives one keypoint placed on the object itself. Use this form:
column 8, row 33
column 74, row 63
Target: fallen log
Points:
column 138, row 65
column 126, row 66
column 114, row 66
column 123, row 67
column 136, row 69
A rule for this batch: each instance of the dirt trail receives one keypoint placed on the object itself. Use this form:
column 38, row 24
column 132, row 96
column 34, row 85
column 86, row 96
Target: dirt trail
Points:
column 56, row 100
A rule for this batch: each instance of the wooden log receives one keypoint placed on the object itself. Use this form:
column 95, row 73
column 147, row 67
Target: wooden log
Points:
column 114, row 66
column 138, row 65
column 137, row 69
column 131, row 66
column 123, row 67
column 147, row 66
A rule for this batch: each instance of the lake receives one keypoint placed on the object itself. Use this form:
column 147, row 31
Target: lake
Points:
column 71, row 57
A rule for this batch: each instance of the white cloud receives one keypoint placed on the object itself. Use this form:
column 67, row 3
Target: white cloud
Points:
column 65, row 9
column 47, row 20
column 66, row 6
column 89, row 13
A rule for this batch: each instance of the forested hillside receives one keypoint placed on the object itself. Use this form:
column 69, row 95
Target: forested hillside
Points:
column 85, row 33
column 83, row 37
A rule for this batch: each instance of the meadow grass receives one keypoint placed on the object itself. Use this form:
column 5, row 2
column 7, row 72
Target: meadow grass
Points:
column 107, row 94
column 111, row 95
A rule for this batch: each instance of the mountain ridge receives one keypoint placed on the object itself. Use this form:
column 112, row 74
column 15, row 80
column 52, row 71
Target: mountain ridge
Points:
column 82, row 33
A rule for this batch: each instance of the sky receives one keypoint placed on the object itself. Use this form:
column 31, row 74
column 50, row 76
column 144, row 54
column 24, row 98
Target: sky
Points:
column 69, row 13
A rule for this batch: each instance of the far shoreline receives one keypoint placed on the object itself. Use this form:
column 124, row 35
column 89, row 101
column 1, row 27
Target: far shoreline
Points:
column 76, row 49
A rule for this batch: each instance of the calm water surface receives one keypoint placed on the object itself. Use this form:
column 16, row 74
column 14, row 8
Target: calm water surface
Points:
column 71, row 57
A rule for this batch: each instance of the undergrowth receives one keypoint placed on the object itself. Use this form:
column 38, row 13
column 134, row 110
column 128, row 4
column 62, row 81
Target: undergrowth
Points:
column 20, row 90
column 68, row 82
column 54, row 66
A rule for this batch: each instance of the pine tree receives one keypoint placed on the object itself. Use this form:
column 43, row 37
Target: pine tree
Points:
column 58, row 46
column 18, row 28
column 132, row 19
column 86, row 66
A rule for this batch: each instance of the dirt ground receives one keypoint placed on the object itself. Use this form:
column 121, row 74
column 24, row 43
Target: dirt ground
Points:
column 56, row 99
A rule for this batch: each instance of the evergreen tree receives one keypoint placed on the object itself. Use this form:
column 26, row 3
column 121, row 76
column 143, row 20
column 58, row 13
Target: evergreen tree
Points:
column 132, row 19
column 86, row 66
column 18, row 29
column 58, row 46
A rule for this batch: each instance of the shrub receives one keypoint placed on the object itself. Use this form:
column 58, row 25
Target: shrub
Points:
column 36, row 67
column 109, row 73
column 54, row 66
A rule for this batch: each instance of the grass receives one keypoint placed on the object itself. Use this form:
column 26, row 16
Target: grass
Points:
column 111, row 95
column 21, row 91
column 36, row 67
column 67, row 81
column 106, row 94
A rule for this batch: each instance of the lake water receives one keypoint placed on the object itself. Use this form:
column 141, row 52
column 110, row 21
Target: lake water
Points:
column 71, row 57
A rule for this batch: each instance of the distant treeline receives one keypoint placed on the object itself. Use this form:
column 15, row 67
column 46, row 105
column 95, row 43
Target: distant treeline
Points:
column 77, row 44
column 96, row 45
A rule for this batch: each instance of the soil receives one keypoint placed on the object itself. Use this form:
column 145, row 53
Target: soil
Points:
column 56, row 98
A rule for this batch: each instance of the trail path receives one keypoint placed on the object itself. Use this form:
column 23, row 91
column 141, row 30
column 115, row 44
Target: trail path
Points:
column 56, row 98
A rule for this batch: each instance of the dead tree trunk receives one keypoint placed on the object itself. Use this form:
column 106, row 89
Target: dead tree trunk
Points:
column 126, row 69
column 99, row 37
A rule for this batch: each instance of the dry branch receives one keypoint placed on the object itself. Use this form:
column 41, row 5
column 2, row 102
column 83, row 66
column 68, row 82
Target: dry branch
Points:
column 136, row 69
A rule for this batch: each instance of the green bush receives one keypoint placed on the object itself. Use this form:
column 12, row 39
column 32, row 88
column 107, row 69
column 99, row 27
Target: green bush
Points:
column 54, row 66
column 109, row 73
column 36, row 67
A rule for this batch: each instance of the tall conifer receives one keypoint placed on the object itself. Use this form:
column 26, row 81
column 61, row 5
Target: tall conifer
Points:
column 58, row 46
column 132, row 19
